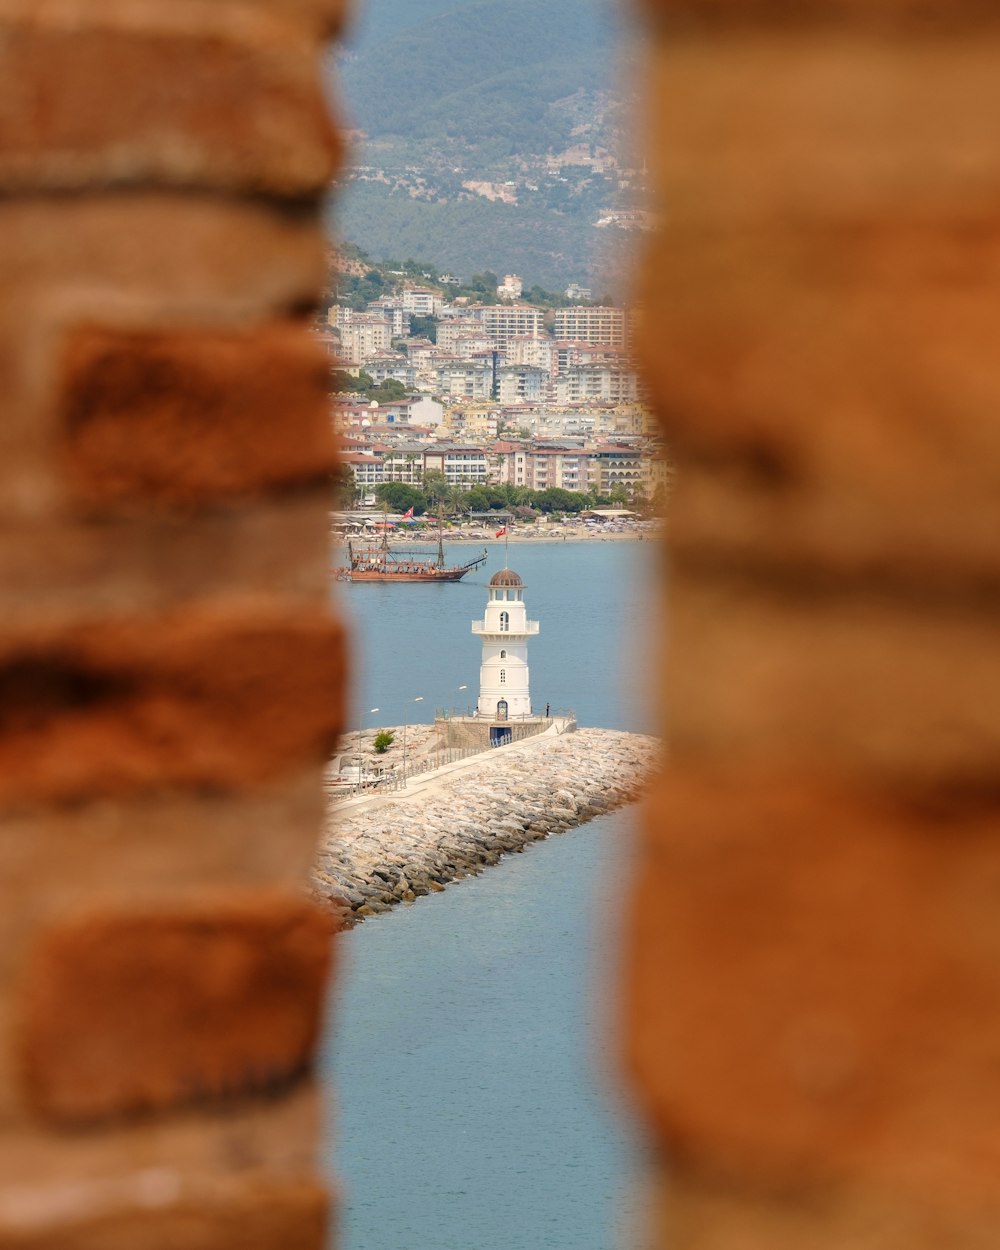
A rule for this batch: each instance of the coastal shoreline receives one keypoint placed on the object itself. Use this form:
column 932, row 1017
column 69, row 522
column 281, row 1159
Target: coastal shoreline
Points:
column 400, row 538
column 385, row 849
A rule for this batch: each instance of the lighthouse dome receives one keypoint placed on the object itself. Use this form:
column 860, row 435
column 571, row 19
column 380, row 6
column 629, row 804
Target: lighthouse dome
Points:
column 506, row 577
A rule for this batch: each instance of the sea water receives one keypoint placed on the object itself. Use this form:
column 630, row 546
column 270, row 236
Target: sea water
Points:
column 470, row 1072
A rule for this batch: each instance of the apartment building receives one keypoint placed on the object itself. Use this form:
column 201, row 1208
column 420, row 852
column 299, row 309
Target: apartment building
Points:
column 366, row 468
column 476, row 423
column 418, row 411
column 451, row 329
column 465, row 379
column 592, row 325
column 503, row 322
column 393, row 366
column 404, row 463
column 463, row 338
column 537, row 468
column 550, row 422
column 363, row 336
column 567, row 353
column 422, row 301
column 601, row 383
column 614, row 465
column 511, row 288
column 523, row 384
column 538, row 352
column 395, row 314
column 462, row 466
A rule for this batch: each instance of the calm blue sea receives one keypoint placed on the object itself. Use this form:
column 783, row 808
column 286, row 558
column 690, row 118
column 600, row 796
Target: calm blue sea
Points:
column 471, row 1106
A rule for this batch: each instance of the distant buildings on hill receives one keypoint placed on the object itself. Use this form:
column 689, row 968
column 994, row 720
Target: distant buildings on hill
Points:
column 509, row 393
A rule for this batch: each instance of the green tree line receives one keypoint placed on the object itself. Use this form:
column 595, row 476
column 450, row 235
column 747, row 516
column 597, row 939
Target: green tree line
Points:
column 437, row 494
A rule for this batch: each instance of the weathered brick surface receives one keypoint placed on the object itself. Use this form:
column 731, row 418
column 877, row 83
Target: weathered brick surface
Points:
column 707, row 1213
column 138, row 1010
column 884, row 16
column 162, row 847
column 220, row 265
column 207, row 700
column 170, row 681
column 815, row 982
column 836, row 256
column 176, row 418
column 154, row 1209
column 813, row 1004
column 213, row 259
column 250, row 116
column 890, row 691
column 166, row 561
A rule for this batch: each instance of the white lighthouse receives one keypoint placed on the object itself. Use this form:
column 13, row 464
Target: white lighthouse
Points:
column 504, row 693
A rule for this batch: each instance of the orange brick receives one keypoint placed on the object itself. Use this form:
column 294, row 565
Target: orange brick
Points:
column 897, row 691
column 181, row 417
column 825, row 293
column 128, row 1011
column 703, row 16
column 228, row 702
column 279, row 549
column 203, row 107
column 707, row 1212
column 326, row 17
column 152, row 1209
column 814, row 989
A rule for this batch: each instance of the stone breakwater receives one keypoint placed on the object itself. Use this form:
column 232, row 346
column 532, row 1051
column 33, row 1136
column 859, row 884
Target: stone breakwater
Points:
column 460, row 819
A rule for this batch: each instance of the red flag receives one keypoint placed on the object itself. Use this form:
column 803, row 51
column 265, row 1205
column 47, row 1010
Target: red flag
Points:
column 407, row 514
column 500, row 533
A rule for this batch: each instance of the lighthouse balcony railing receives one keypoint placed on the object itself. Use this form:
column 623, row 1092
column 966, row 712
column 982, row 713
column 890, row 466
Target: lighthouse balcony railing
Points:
column 484, row 631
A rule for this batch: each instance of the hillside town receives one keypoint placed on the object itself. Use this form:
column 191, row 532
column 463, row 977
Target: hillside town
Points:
column 504, row 393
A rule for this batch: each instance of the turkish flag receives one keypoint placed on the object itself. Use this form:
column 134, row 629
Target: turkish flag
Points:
column 500, row 533
column 408, row 514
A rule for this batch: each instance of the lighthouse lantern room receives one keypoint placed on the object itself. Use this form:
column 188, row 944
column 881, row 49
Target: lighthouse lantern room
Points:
column 503, row 678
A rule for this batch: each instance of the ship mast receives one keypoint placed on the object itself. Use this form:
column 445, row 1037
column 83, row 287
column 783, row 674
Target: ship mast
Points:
column 440, row 563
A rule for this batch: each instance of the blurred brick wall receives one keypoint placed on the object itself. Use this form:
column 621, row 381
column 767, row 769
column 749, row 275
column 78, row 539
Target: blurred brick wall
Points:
column 170, row 682
column 814, row 984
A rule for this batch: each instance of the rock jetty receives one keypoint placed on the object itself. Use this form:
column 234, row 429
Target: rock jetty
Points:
column 458, row 820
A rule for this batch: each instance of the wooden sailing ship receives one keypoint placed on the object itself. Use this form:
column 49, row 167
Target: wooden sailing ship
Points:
column 381, row 564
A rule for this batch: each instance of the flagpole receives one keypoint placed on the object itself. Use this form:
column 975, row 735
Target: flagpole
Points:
column 506, row 540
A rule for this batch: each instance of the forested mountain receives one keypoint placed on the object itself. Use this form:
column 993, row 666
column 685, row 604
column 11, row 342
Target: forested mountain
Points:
column 483, row 69
column 492, row 131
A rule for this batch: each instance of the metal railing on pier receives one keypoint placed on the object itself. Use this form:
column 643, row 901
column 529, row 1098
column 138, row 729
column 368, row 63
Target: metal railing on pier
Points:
column 392, row 780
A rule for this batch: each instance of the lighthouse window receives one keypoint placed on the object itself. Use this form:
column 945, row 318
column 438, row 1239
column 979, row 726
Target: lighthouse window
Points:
column 504, row 622
column 503, row 655
column 503, row 677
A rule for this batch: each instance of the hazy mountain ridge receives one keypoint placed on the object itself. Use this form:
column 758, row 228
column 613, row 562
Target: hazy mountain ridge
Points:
column 492, row 127
column 475, row 68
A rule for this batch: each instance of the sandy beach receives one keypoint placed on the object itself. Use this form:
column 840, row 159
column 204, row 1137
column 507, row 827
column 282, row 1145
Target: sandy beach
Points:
column 555, row 533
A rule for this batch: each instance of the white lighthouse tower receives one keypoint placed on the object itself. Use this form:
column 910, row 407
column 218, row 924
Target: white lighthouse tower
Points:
column 504, row 693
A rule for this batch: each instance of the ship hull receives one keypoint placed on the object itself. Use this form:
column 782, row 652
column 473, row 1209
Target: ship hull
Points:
column 436, row 575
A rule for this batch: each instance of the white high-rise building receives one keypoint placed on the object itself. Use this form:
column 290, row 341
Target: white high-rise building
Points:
column 504, row 692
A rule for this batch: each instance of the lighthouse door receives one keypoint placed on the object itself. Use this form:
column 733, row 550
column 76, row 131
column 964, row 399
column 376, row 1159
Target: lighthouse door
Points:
column 502, row 710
